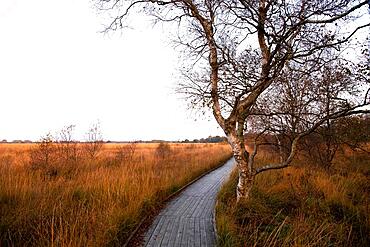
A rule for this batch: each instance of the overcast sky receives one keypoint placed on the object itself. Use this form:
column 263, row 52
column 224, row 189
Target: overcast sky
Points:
column 56, row 69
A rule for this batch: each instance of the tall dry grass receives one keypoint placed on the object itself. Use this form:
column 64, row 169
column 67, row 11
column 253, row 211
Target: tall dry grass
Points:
column 91, row 202
column 302, row 205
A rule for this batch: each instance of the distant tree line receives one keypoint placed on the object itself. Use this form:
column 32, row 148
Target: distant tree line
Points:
column 210, row 139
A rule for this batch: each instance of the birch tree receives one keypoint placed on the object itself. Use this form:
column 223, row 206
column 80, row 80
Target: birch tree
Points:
column 238, row 51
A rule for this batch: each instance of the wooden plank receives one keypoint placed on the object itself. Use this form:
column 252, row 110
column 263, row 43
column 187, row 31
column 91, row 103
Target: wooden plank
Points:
column 159, row 236
column 196, row 232
column 179, row 211
column 179, row 233
column 153, row 232
column 152, row 228
column 200, row 208
column 207, row 213
column 203, row 234
column 185, row 235
column 192, row 208
column 173, row 236
column 210, row 234
column 169, row 231
column 191, row 230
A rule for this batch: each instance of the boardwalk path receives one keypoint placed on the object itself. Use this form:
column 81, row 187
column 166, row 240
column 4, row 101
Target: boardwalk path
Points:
column 187, row 220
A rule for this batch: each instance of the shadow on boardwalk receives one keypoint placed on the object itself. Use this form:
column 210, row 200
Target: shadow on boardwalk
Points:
column 187, row 220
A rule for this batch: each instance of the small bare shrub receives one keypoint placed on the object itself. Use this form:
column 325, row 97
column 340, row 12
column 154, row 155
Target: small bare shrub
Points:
column 44, row 154
column 163, row 150
column 94, row 141
column 69, row 152
column 125, row 153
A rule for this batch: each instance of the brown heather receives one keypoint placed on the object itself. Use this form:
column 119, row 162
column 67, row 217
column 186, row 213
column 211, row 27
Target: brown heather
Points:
column 92, row 202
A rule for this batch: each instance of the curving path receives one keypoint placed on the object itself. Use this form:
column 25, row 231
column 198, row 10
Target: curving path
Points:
column 187, row 220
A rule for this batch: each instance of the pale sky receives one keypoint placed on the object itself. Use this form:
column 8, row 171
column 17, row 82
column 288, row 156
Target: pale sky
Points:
column 56, row 69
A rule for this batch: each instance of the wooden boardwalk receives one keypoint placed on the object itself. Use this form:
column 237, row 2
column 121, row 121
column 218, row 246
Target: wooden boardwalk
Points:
column 187, row 220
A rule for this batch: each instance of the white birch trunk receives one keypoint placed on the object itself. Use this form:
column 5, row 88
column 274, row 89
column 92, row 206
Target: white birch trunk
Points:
column 246, row 177
column 244, row 186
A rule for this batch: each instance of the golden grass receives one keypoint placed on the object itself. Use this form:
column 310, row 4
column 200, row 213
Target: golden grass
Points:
column 300, row 206
column 93, row 202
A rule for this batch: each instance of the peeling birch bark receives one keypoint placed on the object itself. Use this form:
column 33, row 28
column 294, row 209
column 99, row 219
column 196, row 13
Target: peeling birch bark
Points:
column 246, row 177
column 244, row 186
